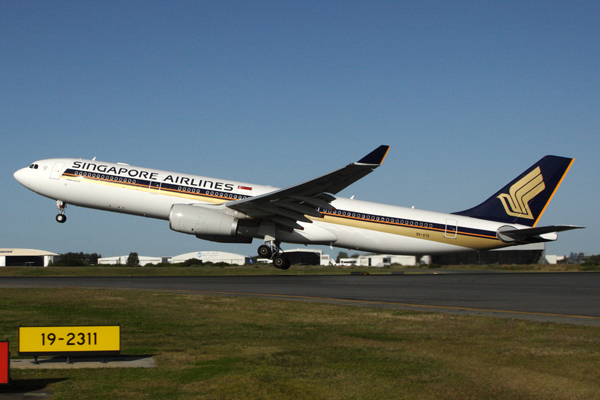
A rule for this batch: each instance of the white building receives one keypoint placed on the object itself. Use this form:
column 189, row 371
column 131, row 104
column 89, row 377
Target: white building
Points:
column 211, row 256
column 25, row 257
column 122, row 260
column 554, row 259
column 382, row 260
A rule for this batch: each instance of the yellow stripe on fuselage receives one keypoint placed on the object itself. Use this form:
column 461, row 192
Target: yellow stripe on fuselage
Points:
column 463, row 239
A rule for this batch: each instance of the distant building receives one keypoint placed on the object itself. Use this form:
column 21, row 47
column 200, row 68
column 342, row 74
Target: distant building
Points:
column 554, row 259
column 525, row 254
column 383, row 260
column 211, row 256
column 308, row 257
column 122, row 260
column 25, row 257
column 348, row 262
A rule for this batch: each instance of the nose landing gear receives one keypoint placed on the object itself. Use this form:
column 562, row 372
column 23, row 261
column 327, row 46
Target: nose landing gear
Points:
column 61, row 218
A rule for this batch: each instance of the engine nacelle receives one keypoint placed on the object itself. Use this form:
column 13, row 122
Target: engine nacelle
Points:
column 201, row 221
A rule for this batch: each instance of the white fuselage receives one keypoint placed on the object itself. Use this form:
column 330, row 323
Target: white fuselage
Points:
column 352, row 224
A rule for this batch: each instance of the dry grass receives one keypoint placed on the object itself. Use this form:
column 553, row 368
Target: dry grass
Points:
column 247, row 348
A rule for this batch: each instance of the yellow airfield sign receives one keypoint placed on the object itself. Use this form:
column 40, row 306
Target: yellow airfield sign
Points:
column 55, row 340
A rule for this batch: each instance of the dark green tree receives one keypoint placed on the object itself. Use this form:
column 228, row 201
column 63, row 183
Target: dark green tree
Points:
column 76, row 259
column 133, row 260
column 93, row 258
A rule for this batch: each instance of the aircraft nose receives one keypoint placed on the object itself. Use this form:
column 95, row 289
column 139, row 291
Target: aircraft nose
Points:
column 20, row 176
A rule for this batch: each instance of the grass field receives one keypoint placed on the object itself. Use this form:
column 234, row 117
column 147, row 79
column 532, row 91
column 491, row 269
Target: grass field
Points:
column 219, row 347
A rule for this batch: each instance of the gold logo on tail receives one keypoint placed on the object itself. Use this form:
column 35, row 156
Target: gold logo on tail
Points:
column 516, row 204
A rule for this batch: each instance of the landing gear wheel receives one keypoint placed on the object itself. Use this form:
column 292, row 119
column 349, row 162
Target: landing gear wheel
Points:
column 264, row 251
column 281, row 263
column 61, row 205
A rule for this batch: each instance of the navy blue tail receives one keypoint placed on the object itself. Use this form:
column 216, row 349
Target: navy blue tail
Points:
column 524, row 200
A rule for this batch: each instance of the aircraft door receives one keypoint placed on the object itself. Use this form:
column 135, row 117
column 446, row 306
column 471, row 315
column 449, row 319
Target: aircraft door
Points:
column 57, row 170
column 154, row 187
column 451, row 229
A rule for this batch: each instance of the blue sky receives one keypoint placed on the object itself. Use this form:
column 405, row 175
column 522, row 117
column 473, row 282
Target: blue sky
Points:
column 468, row 94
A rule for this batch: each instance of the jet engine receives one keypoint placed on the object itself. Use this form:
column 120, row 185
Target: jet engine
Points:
column 205, row 223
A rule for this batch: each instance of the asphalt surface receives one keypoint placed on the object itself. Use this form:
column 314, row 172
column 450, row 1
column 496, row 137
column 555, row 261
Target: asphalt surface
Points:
column 572, row 298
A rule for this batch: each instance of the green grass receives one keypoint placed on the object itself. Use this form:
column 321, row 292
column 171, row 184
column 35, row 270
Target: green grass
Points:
column 219, row 347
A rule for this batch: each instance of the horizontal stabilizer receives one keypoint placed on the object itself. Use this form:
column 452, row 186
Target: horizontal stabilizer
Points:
column 509, row 234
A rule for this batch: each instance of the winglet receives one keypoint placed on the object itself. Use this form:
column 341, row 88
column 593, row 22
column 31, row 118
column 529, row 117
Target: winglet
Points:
column 375, row 157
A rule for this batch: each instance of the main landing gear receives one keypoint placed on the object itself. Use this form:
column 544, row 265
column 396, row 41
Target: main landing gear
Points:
column 61, row 218
column 271, row 250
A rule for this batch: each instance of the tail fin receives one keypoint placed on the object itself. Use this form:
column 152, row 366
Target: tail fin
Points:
column 524, row 200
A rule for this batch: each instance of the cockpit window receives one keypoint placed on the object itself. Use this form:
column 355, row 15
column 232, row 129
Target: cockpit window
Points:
column 34, row 166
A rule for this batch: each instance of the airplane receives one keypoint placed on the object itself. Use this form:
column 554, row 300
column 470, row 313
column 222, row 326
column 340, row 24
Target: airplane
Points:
column 308, row 213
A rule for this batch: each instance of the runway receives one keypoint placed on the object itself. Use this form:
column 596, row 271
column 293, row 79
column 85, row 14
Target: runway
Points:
column 572, row 298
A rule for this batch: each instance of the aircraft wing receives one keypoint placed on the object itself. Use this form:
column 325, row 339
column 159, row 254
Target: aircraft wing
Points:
column 285, row 207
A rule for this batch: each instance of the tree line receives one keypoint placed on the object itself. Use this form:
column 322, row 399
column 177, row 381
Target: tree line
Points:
column 75, row 259
column 82, row 259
